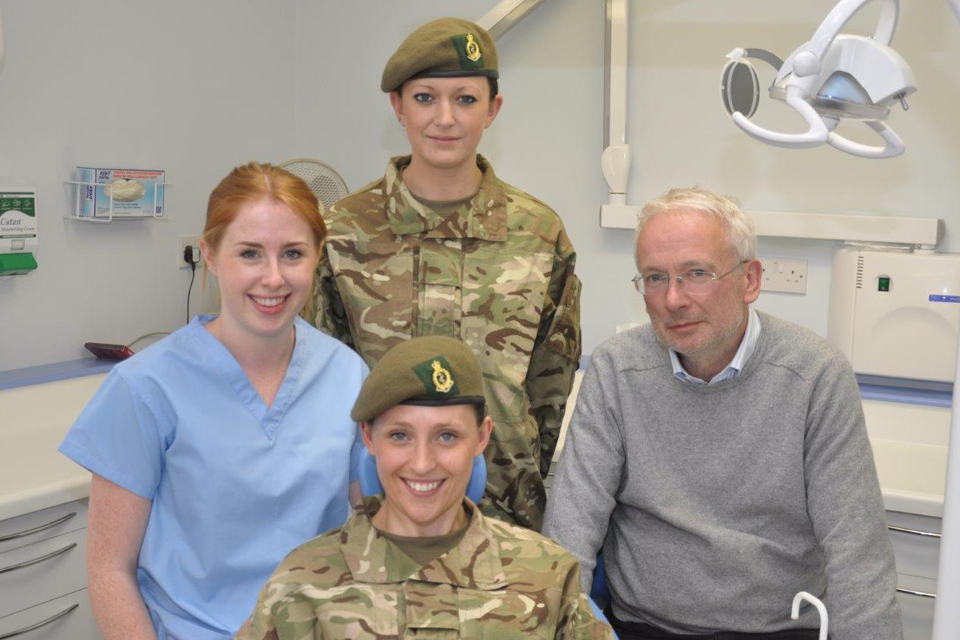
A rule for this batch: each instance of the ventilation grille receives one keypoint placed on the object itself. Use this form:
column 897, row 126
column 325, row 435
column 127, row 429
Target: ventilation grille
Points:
column 860, row 271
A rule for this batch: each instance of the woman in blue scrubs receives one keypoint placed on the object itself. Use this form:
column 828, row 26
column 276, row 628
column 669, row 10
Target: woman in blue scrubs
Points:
column 219, row 449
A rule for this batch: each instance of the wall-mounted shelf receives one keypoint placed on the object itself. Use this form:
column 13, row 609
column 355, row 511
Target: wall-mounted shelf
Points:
column 111, row 215
column 926, row 232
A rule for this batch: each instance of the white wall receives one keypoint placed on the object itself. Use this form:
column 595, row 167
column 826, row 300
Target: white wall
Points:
column 548, row 137
column 190, row 87
column 243, row 80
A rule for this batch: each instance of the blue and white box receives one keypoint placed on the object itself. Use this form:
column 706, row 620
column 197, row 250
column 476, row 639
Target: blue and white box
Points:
column 130, row 193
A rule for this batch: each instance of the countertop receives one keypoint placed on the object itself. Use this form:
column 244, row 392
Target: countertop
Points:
column 909, row 444
column 33, row 474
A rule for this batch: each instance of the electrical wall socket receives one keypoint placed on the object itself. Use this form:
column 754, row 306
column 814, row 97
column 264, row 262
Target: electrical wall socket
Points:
column 182, row 243
column 784, row 274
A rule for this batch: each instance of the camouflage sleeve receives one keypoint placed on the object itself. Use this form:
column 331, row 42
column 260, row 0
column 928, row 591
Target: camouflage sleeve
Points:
column 577, row 619
column 556, row 353
column 325, row 309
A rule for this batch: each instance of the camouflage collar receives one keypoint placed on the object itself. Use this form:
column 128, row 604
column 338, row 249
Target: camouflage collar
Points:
column 474, row 563
column 487, row 216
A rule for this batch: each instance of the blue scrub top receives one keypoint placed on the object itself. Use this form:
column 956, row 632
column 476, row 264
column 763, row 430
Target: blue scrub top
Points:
column 235, row 484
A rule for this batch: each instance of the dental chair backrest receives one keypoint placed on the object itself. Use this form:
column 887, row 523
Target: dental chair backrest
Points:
column 370, row 483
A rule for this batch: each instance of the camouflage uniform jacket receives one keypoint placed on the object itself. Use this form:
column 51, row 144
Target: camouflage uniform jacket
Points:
column 501, row 582
column 498, row 274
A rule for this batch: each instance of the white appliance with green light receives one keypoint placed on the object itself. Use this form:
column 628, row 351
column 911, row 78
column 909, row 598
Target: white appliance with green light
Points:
column 895, row 313
column 19, row 231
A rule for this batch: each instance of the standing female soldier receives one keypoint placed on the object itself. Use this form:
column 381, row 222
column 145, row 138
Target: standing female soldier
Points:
column 440, row 246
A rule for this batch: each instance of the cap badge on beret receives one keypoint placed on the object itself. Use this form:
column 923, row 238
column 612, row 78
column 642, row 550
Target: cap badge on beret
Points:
column 436, row 377
column 468, row 50
column 473, row 49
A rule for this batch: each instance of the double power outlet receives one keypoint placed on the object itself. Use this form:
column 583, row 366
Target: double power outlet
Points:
column 784, row 274
column 182, row 243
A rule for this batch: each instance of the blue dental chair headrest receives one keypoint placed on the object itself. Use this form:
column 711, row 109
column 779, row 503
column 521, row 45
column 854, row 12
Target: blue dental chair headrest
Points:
column 370, row 482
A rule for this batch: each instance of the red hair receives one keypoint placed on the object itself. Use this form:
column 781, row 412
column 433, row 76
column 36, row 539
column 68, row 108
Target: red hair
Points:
column 255, row 182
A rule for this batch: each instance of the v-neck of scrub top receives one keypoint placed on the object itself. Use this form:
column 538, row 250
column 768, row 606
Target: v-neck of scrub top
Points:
column 268, row 417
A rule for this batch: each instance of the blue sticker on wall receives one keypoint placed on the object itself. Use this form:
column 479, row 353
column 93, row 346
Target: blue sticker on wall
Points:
column 938, row 298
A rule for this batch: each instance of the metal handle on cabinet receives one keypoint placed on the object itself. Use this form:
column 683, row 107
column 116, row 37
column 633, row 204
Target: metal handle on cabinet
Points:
column 30, row 563
column 43, row 623
column 913, row 532
column 922, row 594
column 43, row 527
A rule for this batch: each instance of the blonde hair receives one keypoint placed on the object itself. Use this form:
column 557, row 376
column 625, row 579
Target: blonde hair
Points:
column 741, row 232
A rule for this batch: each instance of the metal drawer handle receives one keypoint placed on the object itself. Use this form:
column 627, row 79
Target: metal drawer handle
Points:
column 30, row 563
column 922, row 594
column 914, row 532
column 57, row 616
column 43, row 527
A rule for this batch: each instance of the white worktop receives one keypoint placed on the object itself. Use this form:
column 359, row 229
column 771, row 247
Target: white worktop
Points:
column 909, row 445
column 33, row 422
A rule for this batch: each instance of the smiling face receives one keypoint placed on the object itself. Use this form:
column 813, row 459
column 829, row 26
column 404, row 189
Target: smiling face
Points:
column 445, row 118
column 705, row 329
column 424, row 460
column 264, row 264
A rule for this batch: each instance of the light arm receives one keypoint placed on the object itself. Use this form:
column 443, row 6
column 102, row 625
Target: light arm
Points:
column 815, row 136
column 893, row 148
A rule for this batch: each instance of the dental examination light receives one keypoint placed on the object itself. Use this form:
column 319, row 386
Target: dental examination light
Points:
column 832, row 77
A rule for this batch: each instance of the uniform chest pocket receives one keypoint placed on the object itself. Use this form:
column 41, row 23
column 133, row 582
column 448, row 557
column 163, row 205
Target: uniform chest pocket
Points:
column 505, row 615
column 375, row 280
column 350, row 611
column 439, row 288
column 502, row 303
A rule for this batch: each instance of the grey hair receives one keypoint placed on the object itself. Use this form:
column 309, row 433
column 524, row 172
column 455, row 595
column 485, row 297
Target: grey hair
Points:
column 741, row 232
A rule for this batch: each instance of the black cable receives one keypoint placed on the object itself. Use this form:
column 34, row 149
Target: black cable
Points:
column 189, row 259
column 193, row 273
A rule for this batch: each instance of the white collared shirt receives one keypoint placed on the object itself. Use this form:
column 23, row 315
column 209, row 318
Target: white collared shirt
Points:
column 732, row 370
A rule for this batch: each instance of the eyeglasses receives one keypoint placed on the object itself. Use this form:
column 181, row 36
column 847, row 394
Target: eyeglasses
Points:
column 693, row 281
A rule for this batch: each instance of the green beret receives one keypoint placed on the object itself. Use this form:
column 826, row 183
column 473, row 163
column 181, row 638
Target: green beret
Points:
column 431, row 371
column 447, row 47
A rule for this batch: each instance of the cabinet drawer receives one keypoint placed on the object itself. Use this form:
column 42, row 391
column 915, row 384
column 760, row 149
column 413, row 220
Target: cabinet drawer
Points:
column 915, row 554
column 75, row 623
column 917, row 610
column 43, row 524
column 42, row 571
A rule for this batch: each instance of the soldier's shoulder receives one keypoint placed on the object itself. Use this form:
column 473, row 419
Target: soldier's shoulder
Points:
column 317, row 562
column 525, row 201
column 529, row 550
column 363, row 200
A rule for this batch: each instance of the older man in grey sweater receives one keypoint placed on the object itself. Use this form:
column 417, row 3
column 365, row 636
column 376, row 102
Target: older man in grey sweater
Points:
column 718, row 456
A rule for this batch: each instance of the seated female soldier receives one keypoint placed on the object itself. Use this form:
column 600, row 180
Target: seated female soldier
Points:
column 421, row 560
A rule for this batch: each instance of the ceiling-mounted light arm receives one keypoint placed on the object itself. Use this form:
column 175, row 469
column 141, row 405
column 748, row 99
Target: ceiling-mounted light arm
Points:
column 505, row 15
column 616, row 158
column 894, row 144
column 807, row 62
column 815, row 136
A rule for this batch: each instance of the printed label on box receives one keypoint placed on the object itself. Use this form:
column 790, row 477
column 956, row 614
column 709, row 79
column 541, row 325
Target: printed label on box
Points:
column 120, row 192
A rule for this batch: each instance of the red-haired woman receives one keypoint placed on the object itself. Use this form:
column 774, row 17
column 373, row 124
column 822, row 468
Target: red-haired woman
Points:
column 222, row 447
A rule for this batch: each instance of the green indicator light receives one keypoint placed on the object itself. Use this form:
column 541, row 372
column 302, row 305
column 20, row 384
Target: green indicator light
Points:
column 883, row 284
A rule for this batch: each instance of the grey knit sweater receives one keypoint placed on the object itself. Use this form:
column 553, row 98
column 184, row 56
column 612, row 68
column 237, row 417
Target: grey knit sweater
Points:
column 715, row 504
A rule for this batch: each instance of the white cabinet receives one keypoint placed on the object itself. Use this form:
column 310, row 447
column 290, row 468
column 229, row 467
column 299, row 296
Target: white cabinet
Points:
column 43, row 575
column 916, row 550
